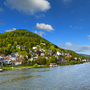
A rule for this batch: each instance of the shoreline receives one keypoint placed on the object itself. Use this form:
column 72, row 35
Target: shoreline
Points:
column 23, row 67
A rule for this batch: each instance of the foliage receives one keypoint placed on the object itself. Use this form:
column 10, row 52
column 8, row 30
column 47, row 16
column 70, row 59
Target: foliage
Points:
column 34, row 55
column 73, row 62
column 23, row 59
column 46, row 52
column 29, row 55
column 27, row 40
column 41, row 60
column 53, row 59
column 35, row 66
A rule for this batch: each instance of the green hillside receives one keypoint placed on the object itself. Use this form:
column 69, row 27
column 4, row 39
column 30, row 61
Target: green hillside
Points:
column 88, row 56
column 23, row 37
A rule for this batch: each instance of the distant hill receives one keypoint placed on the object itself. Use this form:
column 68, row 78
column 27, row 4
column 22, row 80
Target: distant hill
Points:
column 88, row 56
column 24, row 37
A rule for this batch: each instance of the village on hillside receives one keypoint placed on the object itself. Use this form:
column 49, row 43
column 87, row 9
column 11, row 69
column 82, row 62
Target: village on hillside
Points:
column 37, row 55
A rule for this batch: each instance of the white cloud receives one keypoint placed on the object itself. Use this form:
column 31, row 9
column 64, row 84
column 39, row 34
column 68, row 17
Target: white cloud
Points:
column 68, row 44
column 1, row 22
column 76, row 48
column 70, row 26
column 88, row 36
column 81, row 27
column 13, row 29
column 28, row 6
column 74, row 28
column 80, row 19
column 65, row 1
column 35, row 32
column 80, row 48
column 40, row 33
column 1, row 10
column 39, row 16
column 72, row 11
column 45, row 27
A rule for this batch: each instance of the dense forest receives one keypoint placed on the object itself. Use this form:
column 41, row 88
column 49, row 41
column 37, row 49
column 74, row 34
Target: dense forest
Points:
column 9, row 41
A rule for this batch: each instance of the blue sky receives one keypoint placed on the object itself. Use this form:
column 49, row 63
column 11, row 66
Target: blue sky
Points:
column 65, row 23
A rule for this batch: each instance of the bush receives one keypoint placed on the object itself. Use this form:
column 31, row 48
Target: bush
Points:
column 35, row 66
column 72, row 62
column 66, row 63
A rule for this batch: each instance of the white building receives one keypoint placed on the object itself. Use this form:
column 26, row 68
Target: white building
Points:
column 59, row 53
column 34, row 48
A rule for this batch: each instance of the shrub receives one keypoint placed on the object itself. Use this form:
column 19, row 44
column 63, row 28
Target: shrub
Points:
column 66, row 63
column 35, row 66
column 72, row 62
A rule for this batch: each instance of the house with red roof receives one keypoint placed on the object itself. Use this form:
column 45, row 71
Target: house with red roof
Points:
column 6, row 60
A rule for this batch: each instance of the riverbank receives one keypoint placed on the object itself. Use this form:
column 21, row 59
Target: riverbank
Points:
column 13, row 67
column 17, row 67
column 71, row 63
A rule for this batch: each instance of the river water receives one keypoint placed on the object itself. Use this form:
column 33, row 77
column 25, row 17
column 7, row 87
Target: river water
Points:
column 70, row 77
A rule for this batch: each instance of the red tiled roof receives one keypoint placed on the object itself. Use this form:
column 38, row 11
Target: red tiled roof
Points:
column 7, row 58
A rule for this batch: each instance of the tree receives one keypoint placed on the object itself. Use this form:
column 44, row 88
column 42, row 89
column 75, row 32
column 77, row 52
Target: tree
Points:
column 41, row 60
column 53, row 59
column 34, row 55
column 23, row 59
column 54, row 50
column 47, row 62
column 29, row 55
column 46, row 52
column 1, row 51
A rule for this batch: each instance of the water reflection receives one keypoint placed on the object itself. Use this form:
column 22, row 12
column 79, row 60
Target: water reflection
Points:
column 18, row 78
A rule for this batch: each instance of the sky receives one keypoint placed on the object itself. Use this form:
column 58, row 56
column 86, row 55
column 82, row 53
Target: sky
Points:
column 65, row 23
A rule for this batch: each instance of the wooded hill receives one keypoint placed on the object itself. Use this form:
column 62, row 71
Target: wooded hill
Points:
column 9, row 40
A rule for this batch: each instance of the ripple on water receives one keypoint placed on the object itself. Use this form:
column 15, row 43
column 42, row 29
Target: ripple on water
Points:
column 19, row 78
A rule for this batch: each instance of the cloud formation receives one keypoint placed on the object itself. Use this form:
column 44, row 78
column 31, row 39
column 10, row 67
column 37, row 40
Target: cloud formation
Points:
column 13, row 29
column 88, row 36
column 74, row 28
column 1, row 10
column 65, row 1
column 28, row 6
column 1, row 22
column 70, row 26
column 68, row 44
column 76, row 48
column 39, row 33
column 45, row 27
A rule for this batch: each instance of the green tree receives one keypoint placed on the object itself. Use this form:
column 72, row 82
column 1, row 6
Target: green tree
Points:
column 34, row 55
column 23, row 59
column 1, row 51
column 41, row 60
column 29, row 55
column 46, row 52
column 53, row 59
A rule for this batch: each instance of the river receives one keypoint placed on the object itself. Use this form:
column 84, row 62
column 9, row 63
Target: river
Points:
column 70, row 77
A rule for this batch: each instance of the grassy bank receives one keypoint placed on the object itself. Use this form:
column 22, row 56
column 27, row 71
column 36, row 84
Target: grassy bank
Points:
column 10, row 67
